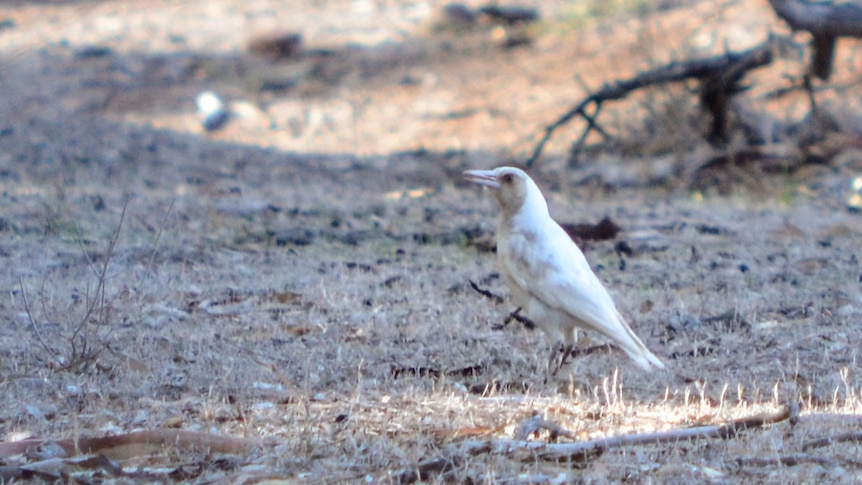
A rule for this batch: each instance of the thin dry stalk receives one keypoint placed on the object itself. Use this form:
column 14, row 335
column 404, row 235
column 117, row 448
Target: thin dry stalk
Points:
column 156, row 244
column 98, row 308
column 57, row 360
column 84, row 344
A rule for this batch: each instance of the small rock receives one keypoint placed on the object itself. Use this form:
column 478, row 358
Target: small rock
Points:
column 854, row 201
column 251, row 113
column 684, row 323
column 276, row 45
column 211, row 110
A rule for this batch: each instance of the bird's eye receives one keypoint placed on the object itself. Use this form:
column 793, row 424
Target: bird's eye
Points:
column 508, row 178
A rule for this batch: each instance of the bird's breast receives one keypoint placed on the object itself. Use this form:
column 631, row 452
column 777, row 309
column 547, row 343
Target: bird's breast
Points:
column 525, row 255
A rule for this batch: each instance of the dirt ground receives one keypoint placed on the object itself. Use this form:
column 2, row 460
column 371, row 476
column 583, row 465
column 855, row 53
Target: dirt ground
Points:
column 300, row 278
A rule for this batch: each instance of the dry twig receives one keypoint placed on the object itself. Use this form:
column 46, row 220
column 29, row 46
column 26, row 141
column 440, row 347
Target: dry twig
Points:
column 138, row 443
column 788, row 460
column 855, row 436
column 156, row 243
column 98, row 308
column 720, row 76
column 85, row 344
column 516, row 315
column 27, row 310
column 587, row 450
column 536, row 423
column 486, row 293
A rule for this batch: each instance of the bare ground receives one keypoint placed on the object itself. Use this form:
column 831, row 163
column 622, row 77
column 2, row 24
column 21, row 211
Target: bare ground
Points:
column 301, row 277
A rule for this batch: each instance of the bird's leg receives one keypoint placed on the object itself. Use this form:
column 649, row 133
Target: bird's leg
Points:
column 568, row 345
column 567, row 352
column 557, row 360
column 552, row 360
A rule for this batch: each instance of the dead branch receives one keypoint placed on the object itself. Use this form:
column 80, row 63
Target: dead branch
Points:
column 855, row 436
column 720, row 76
column 35, row 326
column 486, row 293
column 586, row 450
column 578, row 353
column 516, row 315
column 789, row 460
column 536, row 423
column 826, row 22
column 98, row 308
column 840, row 20
column 139, row 443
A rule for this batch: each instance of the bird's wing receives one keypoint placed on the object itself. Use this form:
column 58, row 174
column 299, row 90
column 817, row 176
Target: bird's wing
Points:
column 549, row 267
column 553, row 270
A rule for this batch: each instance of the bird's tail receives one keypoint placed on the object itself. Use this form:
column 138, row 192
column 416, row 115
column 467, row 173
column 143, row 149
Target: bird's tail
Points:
column 635, row 348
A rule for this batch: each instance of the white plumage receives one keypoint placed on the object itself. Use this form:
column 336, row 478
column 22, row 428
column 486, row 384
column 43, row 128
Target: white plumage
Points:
column 547, row 273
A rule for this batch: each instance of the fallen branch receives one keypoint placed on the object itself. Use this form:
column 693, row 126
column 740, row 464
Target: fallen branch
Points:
column 719, row 74
column 587, row 450
column 789, row 460
column 535, row 423
column 139, row 443
column 855, row 436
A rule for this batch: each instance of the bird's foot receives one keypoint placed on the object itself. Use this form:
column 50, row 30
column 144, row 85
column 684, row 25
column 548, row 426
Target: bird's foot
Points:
column 567, row 352
column 559, row 354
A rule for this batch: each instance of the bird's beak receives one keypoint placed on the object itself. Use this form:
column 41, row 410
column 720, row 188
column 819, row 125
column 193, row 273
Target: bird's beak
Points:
column 483, row 177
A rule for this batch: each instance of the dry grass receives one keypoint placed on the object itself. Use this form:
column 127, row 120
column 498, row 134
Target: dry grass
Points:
column 280, row 286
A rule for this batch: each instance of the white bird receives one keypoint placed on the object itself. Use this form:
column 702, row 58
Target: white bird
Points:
column 546, row 272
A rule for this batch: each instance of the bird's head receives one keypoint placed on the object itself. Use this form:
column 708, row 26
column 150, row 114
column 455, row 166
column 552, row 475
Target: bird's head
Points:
column 512, row 187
